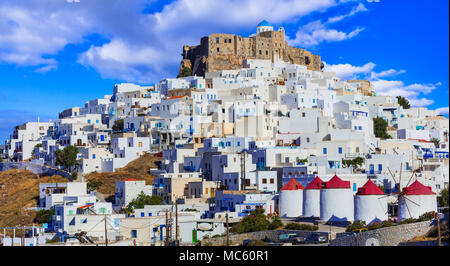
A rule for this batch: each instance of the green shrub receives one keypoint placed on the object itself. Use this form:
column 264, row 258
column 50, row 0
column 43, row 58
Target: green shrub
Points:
column 408, row 221
column 375, row 225
column 427, row 216
column 303, row 227
column 358, row 224
column 56, row 239
column 257, row 243
column 45, row 216
column 276, row 223
column 387, row 223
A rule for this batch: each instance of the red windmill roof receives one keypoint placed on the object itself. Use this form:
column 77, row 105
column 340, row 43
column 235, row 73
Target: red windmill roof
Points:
column 418, row 188
column 336, row 182
column 131, row 179
column 315, row 184
column 369, row 188
column 292, row 185
column 176, row 97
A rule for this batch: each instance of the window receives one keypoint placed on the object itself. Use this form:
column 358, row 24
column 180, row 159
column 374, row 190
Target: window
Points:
column 264, row 181
column 133, row 233
column 70, row 212
column 380, row 167
column 142, row 214
column 140, row 144
column 93, row 156
column 272, row 181
column 324, row 150
column 340, row 150
column 218, row 49
column 354, row 187
column 217, row 40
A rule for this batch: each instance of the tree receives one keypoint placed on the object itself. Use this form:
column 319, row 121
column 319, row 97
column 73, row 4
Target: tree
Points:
column 443, row 199
column 67, row 157
column 256, row 221
column 380, row 128
column 93, row 184
column 118, row 125
column 45, row 216
column 185, row 72
column 142, row 200
column 353, row 162
column 403, row 102
column 436, row 142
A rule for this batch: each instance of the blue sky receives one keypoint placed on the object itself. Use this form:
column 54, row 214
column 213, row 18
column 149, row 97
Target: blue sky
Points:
column 56, row 54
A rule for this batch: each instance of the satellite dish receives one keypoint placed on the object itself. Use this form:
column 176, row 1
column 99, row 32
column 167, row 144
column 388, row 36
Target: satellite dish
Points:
column 372, row 242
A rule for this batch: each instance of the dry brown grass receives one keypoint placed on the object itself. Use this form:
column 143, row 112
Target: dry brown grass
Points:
column 138, row 169
column 20, row 188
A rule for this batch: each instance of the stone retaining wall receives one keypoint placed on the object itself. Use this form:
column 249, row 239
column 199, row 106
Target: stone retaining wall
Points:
column 388, row 236
column 272, row 234
column 35, row 168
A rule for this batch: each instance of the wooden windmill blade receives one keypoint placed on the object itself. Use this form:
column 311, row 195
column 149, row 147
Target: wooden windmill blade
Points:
column 413, row 174
column 410, row 216
column 392, row 175
column 411, row 201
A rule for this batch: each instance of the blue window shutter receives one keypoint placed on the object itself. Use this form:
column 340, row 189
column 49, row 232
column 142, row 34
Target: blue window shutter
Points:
column 142, row 214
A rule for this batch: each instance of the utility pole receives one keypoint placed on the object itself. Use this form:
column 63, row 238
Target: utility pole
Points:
column 439, row 228
column 106, row 233
column 170, row 226
column 23, row 226
column 228, row 231
column 167, row 229
column 176, row 222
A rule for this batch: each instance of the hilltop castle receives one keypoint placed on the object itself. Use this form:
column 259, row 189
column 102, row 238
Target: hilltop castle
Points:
column 220, row 51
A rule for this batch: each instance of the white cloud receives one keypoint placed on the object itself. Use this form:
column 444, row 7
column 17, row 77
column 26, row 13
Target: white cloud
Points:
column 420, row 102
column 443, row 110
column 316, row 32
column 33, row 32
column 386, row 73
column 413, row 92
column 356, row 9
column 348, row 71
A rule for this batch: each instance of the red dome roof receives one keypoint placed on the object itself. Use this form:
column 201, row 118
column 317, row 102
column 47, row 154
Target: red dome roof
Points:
column 315, row 184
column 292, row 185
column 369, row 188
column 418, row 188
column 336, row 182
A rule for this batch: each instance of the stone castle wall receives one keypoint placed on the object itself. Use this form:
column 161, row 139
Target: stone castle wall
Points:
column 221, row 51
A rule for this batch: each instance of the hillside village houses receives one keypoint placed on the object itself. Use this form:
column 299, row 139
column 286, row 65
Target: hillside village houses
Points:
column 229, row 141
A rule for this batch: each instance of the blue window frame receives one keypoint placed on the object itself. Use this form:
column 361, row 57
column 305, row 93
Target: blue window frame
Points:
column 149, row 214
column 133, row 233
column 93, row 156
column 102, row 137
column 324, row 150
column 142, row 214
column 380, row 167
column 340, row 150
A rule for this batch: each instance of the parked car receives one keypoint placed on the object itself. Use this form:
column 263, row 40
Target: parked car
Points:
column 292, row 238
column 316, row 239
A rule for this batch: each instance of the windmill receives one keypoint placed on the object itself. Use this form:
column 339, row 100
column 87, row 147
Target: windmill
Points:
column 399, row 192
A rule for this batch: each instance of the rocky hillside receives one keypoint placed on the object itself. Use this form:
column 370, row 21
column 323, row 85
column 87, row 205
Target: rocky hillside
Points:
column 19, row 190
column 138, row 169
